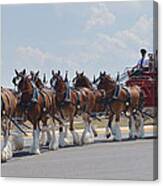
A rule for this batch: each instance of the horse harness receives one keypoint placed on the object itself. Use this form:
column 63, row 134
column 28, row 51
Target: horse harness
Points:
column 109, row 101
column 3, row 102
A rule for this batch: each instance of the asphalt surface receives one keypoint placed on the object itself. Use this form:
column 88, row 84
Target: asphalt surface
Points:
column 132, row 160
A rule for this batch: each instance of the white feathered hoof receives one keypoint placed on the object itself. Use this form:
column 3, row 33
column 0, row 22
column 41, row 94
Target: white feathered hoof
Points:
column 3, row 156
column 87, row 137
column 65, row 140
column 76, row 138
column 35, row 151
column 6, row 153
column 18, row 142
column 132, row 136
column 43, row 139
column 116, row 132
column 140, row 133
column 54, row 145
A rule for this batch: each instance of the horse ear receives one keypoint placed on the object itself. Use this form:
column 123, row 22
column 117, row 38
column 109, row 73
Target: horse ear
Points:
column 37, row 73
column 24, row 72
column 53, row 72
column 77, row 73
column 94, row 79
column 82, row 73
column 104, row 73
column 59, row 72
column 100, row 73
column 66, row 76
column 118, row 76
column 16, row 72
column 44, row 78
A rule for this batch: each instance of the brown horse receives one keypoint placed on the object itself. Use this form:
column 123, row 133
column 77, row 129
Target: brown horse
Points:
column 37, row 111
column 41, row 85
column 81, row 102
column 81, row 81
column 9, row 108
column 122, row 99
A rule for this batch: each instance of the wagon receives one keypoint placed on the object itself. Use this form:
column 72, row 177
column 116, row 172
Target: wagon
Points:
column 147, row 81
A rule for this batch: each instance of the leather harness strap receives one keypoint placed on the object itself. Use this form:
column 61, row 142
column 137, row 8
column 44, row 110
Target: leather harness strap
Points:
column 44, row 94
column 114, row 99
column 128, row 100
column 7, row 98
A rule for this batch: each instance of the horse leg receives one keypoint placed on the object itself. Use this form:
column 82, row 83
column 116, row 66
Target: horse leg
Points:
column 132, row 128
column 93, row 129
column 54, row 144
column 141, row 125
column 6, row 152
column 116, row 128
column 109, row 126
column 18, row 141
column 35, row 149
column 45, row 133
column 75, row 135
column 87, row 136
column 61, row 136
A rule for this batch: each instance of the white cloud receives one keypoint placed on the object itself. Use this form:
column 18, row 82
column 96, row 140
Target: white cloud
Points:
column 30, row 52
column 103, row 52
column 100, row 15
column 139, row 35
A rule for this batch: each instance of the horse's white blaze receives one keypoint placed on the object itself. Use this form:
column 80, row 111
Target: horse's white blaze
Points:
column 87, row 136
column 35, row 147
column 116, row 132
column 6, row 152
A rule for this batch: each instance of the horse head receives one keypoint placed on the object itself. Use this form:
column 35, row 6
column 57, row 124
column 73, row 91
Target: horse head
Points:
column 57, row 82
column 104, row 81
column 25, row 85
column 81, row 81
column 18, row 77
column 36, row 79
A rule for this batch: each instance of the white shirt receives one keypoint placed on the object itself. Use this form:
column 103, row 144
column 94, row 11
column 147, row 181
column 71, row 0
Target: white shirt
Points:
column 144, row 64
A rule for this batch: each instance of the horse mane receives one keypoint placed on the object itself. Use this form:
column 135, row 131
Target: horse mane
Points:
column 83, row 81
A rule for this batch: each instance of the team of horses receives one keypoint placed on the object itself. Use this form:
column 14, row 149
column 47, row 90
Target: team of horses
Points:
column 59, row 104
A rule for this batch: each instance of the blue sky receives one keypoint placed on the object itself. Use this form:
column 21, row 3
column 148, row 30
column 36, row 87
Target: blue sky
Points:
column 86, row 37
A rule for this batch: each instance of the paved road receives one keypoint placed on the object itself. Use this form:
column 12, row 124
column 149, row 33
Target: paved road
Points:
column 113, row 160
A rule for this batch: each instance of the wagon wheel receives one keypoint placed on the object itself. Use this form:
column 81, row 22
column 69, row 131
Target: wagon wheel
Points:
column 150, row 114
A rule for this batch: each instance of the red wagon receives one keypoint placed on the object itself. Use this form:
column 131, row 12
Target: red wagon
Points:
column 148, row 83
column 147, row 80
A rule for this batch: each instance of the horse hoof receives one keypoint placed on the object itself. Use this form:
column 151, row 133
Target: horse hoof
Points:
column 53, row 146
column 95, row 135
column 3, row 157
column 108, row 136
column 87, row 139
column 35, row 151
column 47, row 143
column 6, row 154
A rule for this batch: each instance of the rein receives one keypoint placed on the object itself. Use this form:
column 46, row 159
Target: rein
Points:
column 17, row 125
